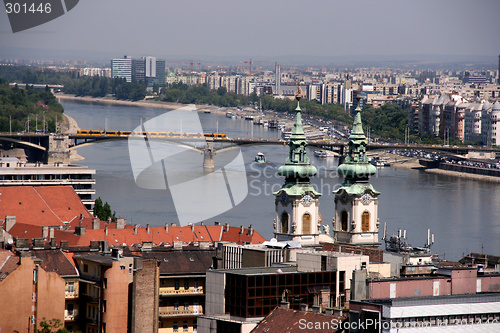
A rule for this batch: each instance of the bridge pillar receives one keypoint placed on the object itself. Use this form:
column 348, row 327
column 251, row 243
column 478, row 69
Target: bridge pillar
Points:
column 208, row 156
column 58, row 150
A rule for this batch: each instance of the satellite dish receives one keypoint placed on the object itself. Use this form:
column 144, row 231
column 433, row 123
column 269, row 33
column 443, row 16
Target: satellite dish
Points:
column 279, row 271
column 10, row 241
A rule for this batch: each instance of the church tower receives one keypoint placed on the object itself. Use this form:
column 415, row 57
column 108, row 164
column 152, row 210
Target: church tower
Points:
column 356, row 201
column 297, row 203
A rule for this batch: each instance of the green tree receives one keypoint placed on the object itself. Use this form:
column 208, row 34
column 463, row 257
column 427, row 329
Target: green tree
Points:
column 103, row 212
column 51, row 326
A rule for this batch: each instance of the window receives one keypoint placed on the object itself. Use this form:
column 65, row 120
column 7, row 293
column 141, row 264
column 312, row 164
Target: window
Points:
column 185, row 326
column 85, row 268
column 105, row 283
column 365, row 222
column 344, row 217
column 70, row 309
column 177, row 284
column 306, row 223
column 104, row 306
column 186, row 306
column 284, row 223
column 176, row 306
column 186, row 284
column 71, row 287
column 176, row 326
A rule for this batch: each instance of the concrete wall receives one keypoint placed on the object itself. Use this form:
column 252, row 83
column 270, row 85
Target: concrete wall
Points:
column 115, row 295
column 145, row 298
column 214, row 293
column 20, row 296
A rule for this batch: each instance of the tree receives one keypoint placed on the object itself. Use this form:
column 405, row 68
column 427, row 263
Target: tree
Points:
column 103, row 212
column 51, row 326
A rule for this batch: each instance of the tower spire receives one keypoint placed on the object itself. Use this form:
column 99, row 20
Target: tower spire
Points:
column 297, row 168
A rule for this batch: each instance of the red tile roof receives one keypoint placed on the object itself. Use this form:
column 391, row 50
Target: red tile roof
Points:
column 159, row 235
column 294, row 321
column 22, row 230
column 42, row 205
column 55, row 261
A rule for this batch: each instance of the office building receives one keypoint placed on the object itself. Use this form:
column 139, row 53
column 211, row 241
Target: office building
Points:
column 122, row 68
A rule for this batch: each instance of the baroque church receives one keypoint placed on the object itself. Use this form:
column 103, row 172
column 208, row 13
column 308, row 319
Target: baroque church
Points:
column 297, row 202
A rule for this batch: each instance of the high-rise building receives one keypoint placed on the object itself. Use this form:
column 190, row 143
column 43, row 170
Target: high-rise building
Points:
column 122, row 68
column 147, row 70
column 278, row 80
column 499, row 69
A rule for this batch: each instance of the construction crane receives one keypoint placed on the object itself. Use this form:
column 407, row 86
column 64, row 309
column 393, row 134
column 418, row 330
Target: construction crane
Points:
column 250, row 62
column 191, row 66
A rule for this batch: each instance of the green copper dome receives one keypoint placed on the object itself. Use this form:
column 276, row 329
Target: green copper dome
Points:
column 297, row 168
column 356, row 167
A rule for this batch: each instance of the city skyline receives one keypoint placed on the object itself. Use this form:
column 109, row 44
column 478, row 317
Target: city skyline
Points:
column 278, row 29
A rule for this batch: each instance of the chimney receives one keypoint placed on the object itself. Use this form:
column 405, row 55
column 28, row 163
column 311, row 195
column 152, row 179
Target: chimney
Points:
column 51, row 233
column 304, row 307
column 45, row 232
column 10, row 220
column 202, row 223
column 329, row 311
column 38, row 242
column 250, row 230
column 226, row 227
column 316, row 309
column 173, row 224
column 192, row 227
column 216, row 223
column 52, row 242
column 80, row 231
column 147, row 228
column 106, row 230
column 242, row 230
column 96, row 223
column 166, row 228
column 64, row 245
column 285, row 305
column 120, row 223
column 135, row 228
column 109, row 220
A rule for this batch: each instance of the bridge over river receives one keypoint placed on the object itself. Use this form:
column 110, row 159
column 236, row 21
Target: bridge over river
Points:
column 57, row 147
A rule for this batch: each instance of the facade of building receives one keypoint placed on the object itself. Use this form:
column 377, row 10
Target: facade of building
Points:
column 16, row 173
column 122, row 68
column 461, row 313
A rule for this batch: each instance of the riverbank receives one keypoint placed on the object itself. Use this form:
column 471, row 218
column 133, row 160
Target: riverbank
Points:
column 404, row 162
column 143, row 104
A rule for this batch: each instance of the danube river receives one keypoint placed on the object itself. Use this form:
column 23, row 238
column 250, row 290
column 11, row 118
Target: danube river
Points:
column 464, row 214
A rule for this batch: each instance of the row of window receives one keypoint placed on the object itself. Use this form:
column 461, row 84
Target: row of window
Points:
column 365, row 221
column 306, row 223
column 185, row 325
column 177, row 284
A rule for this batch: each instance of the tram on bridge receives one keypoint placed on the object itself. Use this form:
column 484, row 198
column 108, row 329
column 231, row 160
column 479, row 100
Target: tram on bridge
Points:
column 151, row 134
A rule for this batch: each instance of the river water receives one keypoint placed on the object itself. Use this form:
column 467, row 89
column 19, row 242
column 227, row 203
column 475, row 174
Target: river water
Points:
column 464, row 214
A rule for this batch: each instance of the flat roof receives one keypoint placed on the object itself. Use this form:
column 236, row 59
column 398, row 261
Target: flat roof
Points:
column 434, row 300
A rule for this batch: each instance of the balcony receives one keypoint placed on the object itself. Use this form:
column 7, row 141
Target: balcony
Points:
column 169, row 291
column 70, row 315
column 168, row 311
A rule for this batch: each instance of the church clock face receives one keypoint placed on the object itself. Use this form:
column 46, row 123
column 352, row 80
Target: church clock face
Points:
column 284, row 198
column 306, row 199
column 366, row 198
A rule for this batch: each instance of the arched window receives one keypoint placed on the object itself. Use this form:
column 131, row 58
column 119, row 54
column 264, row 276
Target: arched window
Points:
column 365, row 222
column 344, row 220
column 306, row 223
column 284, row 223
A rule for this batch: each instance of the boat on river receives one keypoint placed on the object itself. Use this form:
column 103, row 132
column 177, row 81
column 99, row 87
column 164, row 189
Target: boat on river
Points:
column 260, row 158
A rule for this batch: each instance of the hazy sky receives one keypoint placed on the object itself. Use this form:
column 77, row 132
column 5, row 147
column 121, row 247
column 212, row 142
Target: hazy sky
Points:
column 269, row 28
